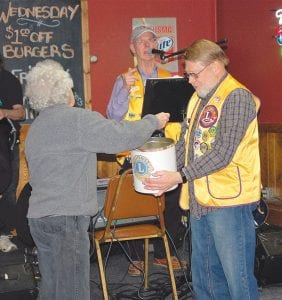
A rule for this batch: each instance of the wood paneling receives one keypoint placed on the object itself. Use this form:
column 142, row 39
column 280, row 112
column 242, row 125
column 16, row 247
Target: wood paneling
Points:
column 271, row 156
column 23, row 169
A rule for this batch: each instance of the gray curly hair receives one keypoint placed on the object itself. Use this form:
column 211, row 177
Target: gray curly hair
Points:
column 47, row 84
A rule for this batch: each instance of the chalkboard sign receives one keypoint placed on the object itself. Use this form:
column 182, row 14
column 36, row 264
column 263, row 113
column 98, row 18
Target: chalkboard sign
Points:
column 33, row 30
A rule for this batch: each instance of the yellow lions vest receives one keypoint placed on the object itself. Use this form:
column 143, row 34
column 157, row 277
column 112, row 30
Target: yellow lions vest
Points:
column 239, row 182
column 136, row 98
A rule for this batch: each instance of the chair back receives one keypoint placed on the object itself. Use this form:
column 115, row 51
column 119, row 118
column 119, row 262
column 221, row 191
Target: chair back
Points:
column 122, row 201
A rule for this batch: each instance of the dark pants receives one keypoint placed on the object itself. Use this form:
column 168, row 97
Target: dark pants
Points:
column 8, row 200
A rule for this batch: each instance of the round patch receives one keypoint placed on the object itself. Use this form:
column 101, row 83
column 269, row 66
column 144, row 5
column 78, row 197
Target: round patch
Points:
column 212, row 131
column 209, row 116
column 142, row 167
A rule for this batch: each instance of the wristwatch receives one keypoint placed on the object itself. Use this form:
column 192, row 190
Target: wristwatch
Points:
column 183, row 176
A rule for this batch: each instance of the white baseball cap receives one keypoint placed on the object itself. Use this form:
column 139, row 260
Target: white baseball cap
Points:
column 137, row 31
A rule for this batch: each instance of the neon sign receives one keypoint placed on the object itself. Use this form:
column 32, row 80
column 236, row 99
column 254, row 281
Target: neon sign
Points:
column 278, row 30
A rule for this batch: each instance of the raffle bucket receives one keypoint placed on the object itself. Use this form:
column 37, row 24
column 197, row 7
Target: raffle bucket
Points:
column 157, row 154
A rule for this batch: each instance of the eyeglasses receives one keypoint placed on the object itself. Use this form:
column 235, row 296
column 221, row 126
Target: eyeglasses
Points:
column 194, row 75
column 142, row 41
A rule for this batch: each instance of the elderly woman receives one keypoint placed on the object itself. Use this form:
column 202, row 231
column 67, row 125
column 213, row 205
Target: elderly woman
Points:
column 61, row 149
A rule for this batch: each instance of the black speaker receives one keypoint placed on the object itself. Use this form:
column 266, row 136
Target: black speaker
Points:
column 17, row 282
column 268, row 265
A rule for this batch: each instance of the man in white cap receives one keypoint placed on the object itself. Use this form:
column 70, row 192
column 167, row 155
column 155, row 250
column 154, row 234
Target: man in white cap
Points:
column 126, row 103
column 127, row 96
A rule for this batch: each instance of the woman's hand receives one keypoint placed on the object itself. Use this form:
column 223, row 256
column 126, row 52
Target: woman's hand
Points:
column 163, row 119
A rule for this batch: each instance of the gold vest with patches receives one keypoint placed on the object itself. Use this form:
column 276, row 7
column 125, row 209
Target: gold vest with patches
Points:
column 136, row 98
column 239, row 182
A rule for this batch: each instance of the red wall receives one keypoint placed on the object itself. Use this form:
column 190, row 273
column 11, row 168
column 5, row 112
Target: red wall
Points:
column 249, row 25
column 110, row 23
column 255, row 57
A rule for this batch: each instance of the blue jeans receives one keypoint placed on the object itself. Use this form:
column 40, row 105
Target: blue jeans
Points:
column 63, row 255
column 223, row 254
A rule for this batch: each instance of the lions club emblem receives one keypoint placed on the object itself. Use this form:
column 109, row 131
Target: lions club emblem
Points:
column 142, row 167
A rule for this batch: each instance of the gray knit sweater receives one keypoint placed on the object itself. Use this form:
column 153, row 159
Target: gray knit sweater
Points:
column 61, row 149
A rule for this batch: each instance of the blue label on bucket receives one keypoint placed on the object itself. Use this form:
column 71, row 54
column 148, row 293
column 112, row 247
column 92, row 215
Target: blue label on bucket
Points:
column 142, row 167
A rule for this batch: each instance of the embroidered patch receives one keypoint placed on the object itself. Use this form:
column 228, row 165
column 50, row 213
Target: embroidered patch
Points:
column 205, row 135
column 209, row 116
column 198, row 134
column 131, row 115
column 196, row 145
column 212, row 131
column 203, row 148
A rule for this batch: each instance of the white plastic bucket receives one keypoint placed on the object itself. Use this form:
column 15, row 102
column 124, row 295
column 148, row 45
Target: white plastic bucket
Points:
column 157, row 154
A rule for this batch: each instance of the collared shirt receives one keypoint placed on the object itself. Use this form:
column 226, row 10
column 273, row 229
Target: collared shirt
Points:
column 118, row 104
column 238, row 111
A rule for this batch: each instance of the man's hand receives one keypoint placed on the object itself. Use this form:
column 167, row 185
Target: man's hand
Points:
column 162, row 181
column 129, row 79
column 3, row 114
column 17, row 113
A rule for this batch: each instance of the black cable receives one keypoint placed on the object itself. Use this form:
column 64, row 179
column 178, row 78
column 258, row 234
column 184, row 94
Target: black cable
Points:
column 12, row 135
column 160, row 288
column 114, row 239
column 187, row 234
column 91, row 230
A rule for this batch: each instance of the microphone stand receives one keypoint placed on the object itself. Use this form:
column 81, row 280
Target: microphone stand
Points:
column 164, row 56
